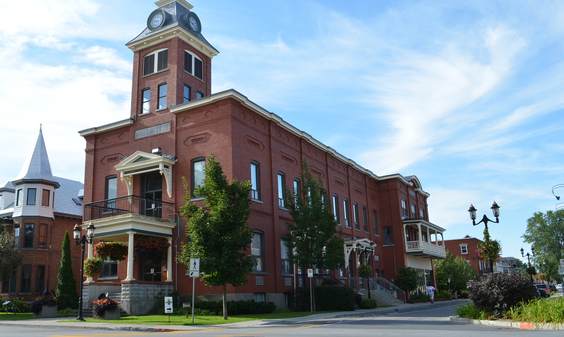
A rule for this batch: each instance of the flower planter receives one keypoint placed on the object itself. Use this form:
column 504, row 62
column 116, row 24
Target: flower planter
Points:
column 47, row 311
column 109, row 315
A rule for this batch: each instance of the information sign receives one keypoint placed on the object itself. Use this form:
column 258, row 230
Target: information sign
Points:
column 310, row 273
column 194, row 267
column 168, row 305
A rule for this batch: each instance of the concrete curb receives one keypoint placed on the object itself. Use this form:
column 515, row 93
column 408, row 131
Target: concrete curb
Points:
column 513, row 325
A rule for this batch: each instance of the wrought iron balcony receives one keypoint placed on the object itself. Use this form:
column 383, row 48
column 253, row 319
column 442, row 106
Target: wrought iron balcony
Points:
column 128, row 205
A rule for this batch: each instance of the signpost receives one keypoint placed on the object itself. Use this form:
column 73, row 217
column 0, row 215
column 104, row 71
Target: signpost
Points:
column 310, row 275
column 168, row 306
column 194, row 272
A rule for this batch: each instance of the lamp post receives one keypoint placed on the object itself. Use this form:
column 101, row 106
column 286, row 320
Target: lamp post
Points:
column 485, row 220
column 82, row 240
column 529, row 259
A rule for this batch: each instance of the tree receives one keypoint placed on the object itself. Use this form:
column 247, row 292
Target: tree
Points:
column 218, row 234
column 10, row 255
column 545, row 232
column 457, row 269
column 313, row 239
column 66, row 292
column 406, row 279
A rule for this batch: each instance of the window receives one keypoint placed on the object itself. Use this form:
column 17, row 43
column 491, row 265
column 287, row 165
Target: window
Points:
column 40, row 279
column 109, row 269
column 42, row 236
column 199, row 94
column 281, row 189
column 17, row 235
column 346, row 214
column 355, row 216
column 257, row 251
column 413, row 213
column 255, row 180
column 463, row 249
column 286, row 258
column 111, row 191
column 146, row 94
column 25, row 286
column 149, row 64
column 388, row 235
column 19, row 198
column 364, row 217
column 375, row 216
column 9, row 284
column 162, row 96
column 31, row 196
column 297, row 190
column 193, row 65
column 421, row 213
column 198, row 175
column 404, row 208
column 260, row 297
column 45, row 198
column 28, row 235
column 336, row 208
column 187, row 91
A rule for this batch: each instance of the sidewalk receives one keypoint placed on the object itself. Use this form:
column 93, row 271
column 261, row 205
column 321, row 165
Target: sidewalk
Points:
column 54, row 323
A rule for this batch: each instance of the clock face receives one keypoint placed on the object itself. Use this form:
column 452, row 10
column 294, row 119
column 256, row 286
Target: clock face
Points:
column 194, row 23
column 156, row 19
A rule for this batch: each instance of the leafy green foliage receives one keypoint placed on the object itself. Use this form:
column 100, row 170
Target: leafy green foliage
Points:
column 406, row 279
column 489, row 249
column 66, row 292
column 93, row 267
column 218, row 233
column 364, row 271
column 314, row 239
column 10, row 256
column 468, row 310
column 19, row 303
column 368, row 303
column 457, row 269
column 497, row 293
column 545, row 232
column 328, row 298
column 539, row 311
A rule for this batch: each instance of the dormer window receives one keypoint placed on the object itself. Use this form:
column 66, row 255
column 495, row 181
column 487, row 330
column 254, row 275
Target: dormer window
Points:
column 155, row 62
column 193, row 65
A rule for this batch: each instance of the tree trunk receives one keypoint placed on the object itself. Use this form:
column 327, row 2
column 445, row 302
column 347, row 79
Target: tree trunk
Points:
column 225, row 301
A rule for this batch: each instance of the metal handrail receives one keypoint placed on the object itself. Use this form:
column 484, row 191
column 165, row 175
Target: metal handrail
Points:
column 130, row 204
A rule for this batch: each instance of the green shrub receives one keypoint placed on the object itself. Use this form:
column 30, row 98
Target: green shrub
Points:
column 497, row 293
column 539, row 311
column 236, row 307
column 470, row 311
column 421, row 297
column 327, row 298
column 67, row 312
column 444, row 294
column 368, row 303
column 21, row 305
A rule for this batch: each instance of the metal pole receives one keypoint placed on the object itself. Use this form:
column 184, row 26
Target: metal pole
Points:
column 80, row 318
column 310, row 295
column 193, row 295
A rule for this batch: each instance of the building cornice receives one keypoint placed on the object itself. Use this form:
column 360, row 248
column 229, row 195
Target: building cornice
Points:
column 106, row 128
column 169, row 34
column 233, row 94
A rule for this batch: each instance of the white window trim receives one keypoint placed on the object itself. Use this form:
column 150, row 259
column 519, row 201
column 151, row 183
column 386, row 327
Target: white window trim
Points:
column 193, row 70
column 463, row 245
column 156, row 63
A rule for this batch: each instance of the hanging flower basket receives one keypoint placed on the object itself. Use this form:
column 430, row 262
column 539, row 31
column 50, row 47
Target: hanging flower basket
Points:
column 531, row 271
column 115, row 251
column 93, row 267
column 153, row 247
column 364, row 271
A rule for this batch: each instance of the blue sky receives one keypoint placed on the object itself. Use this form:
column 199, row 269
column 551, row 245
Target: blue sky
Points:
column 466, row 95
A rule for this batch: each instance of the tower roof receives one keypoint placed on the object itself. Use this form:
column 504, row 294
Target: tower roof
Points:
column 37, row 167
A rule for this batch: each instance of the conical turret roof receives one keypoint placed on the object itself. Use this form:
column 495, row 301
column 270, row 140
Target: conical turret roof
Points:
column 37, row 167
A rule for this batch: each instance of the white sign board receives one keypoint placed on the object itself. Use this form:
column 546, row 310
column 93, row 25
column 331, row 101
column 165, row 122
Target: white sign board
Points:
column 194, row 267
column 168, row 305
column 310, row 273
column 560, row 270
column 562, row 262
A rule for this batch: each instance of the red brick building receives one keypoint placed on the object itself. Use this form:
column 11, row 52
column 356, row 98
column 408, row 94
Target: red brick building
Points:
column 38, row 208
column 466, row 249
column 135, row 170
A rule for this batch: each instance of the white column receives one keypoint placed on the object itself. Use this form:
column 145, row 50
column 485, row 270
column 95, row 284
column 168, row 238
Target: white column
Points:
column 90, row 255
column 169, row 262
column 130, row 252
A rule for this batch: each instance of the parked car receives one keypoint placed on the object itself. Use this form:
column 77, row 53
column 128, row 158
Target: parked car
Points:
column 543, row 290
column 559, row 287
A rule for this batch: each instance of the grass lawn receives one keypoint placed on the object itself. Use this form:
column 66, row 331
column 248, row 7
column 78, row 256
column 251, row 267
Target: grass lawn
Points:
column 198, row 320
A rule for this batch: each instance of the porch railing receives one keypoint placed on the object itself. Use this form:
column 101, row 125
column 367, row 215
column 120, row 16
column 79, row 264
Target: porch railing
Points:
column 422, row 245
column 130, row 204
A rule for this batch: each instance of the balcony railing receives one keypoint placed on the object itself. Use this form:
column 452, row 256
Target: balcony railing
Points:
column 128, row 205
column 425, row 246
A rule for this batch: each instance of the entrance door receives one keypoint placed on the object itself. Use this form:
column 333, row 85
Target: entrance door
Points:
column 153, row 194
column 150, row 269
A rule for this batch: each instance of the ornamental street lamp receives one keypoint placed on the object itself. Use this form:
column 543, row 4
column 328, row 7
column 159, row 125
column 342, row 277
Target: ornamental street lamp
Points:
column 529, row 259
column 367, row 251
column 82, row 240
column 485, row 220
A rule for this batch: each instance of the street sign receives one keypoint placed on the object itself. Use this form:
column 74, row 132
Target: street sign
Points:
column 168, row 305
column 310, row 273
column 194, row 267
column 561, row 270
column 562, row 262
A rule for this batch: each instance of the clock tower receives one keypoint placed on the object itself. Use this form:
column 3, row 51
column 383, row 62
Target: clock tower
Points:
column 172, row 61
